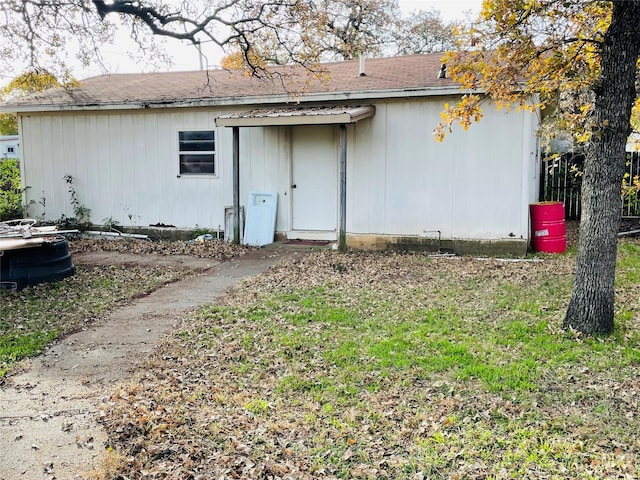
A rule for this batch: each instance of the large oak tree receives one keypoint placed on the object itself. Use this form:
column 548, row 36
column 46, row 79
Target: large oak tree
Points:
column 424, row 31
column 581, row 57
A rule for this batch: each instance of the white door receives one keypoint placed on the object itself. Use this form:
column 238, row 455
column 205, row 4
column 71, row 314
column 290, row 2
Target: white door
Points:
column 314, row 186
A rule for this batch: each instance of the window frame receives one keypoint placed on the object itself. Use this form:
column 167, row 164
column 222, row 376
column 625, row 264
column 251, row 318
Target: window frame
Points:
column 198, row 152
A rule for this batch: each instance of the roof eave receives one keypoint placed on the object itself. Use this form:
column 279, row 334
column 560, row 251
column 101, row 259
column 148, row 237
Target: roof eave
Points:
column 246, row 100
column 291, row 117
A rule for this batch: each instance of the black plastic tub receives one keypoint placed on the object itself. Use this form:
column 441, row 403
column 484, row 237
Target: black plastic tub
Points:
column 25, row 267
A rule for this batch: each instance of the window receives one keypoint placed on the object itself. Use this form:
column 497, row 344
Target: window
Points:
column 197, row 151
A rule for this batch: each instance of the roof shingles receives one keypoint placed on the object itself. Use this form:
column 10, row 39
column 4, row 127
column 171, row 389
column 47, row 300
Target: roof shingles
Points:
column 413, row 72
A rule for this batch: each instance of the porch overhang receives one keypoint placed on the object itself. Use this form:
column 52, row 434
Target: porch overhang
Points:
column 270, row 117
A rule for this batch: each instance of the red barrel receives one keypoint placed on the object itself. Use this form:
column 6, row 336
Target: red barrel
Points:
column 548, row 228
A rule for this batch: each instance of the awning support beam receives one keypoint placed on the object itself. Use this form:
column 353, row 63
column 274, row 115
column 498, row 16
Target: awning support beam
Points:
column 236, row 185
column 342, row 211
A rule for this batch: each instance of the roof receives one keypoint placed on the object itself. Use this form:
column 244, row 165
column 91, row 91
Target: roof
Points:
column 412, row 75
column 297, row 116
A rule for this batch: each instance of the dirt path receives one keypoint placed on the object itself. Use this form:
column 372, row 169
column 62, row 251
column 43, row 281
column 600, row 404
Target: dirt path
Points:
column 48, row 428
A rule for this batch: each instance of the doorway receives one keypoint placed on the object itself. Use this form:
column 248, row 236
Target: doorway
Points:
column 314, row 185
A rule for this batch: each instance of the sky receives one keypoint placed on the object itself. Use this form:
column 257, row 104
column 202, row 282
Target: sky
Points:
column 186, row 57
column 450, row 9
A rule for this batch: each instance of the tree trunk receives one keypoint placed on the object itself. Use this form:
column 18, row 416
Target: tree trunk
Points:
column 591, row 308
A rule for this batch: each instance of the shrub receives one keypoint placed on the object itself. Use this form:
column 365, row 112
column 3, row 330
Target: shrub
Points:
column 10, row 190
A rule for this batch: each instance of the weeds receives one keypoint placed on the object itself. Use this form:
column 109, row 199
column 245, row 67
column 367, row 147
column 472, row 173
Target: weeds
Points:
column 82, row 213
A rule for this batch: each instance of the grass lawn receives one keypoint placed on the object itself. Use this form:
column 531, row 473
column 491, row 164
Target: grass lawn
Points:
column 389, row 366
column 35, row 316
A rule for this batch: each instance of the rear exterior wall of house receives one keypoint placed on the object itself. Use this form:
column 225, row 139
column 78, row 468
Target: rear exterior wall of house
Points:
column 401, row 184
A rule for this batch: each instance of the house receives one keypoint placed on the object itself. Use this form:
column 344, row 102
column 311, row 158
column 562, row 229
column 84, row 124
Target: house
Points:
column 9, row 146
column 348, row 150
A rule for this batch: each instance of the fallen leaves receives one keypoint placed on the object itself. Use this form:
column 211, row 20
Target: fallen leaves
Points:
column 33, row 317
column 277, row 382
column 324, row 367
column 29, row 319
column 206, row 249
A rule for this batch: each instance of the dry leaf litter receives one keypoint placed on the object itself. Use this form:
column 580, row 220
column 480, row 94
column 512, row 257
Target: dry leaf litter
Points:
column 265, row 386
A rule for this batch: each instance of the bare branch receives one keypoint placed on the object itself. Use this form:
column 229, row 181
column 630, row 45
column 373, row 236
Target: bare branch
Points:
column 56, row 34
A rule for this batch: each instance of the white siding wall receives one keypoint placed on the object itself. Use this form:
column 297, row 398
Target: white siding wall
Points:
column 125, row 166
column 475, row 185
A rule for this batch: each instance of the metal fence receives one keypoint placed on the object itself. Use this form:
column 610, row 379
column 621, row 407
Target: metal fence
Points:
column 561, row 181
